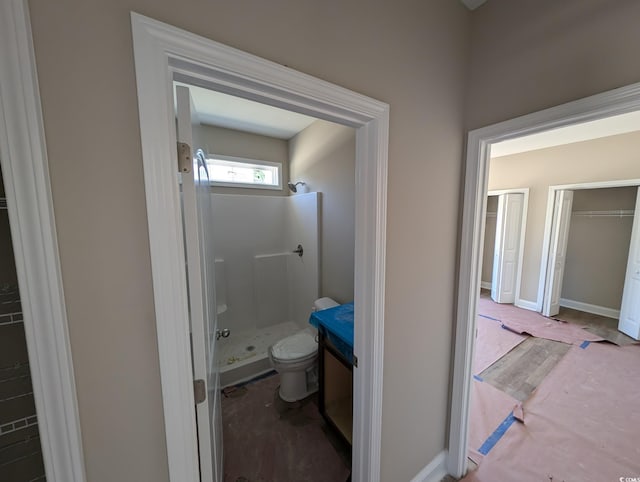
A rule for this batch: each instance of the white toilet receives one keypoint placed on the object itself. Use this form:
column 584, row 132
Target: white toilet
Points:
column 294, row 358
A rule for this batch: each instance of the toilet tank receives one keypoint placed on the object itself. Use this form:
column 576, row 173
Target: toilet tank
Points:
column 324, row 303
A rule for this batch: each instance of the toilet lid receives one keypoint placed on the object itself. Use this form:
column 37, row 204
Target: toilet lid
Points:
column 295, row 346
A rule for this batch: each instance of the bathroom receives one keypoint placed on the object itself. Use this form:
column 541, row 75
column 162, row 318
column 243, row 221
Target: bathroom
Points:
column 264, row 290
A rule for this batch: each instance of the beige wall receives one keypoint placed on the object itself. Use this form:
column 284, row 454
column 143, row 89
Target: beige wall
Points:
column 598, row 247
column 410, row 54
column 231, row 142
column 323, row 156
column 527, row 55
column 608, row 158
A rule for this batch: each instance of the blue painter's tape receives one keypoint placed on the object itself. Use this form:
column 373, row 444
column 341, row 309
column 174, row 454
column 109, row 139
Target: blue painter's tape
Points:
column 585, row 344
column 497, row 434
column 478, row 378
column 490, row 318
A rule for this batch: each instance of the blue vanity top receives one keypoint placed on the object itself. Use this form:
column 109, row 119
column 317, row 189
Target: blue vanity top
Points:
column 337, row 324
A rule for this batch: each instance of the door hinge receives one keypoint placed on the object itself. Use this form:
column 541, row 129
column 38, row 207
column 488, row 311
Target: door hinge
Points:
column 355, row 361
column 184, row 157
column 199, row 391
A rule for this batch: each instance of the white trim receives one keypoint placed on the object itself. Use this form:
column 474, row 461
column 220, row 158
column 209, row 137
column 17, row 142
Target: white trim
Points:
column 546, row 245
column 28, row 192
column 526, row 304
column 546, row 236
column 589, row 308
column 597, row 184
column 164, row 53
column 618, row 101
column 485, row 285
column 434, row 471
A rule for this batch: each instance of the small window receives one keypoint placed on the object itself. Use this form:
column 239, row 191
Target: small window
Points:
column 237, row 172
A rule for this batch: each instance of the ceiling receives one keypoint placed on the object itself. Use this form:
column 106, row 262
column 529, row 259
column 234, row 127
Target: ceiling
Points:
column 223, row 110
column 609, row 126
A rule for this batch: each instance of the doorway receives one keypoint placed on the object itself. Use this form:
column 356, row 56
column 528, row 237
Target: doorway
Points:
column 594, row 226
column 163, row 54
column 260, row 288
column 479, row 147
column 29, row 205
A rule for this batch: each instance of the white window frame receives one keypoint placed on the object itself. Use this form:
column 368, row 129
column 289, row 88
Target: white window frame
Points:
column 242, row 160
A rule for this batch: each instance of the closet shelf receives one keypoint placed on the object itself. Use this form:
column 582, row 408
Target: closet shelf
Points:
column 612, row 213
column 3, row 203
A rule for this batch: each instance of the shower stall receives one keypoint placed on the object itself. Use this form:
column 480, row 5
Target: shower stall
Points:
column 267, row 262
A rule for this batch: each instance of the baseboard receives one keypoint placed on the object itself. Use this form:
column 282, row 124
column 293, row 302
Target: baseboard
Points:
column 586, row 307
column 435, row 471
column 527, row 305
column 486, row 285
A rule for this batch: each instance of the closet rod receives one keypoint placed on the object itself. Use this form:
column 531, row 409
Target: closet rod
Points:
column 612, row 213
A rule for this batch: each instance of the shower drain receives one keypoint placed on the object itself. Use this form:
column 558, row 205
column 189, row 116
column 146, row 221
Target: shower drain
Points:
column 250, row 348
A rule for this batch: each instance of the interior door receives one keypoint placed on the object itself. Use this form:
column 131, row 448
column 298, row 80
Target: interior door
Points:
column 629, row 323
column 197, row 220
column 507, row 247
column 557, row 252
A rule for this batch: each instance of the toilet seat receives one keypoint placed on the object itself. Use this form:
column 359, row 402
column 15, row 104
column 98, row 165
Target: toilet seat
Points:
column 295, row 347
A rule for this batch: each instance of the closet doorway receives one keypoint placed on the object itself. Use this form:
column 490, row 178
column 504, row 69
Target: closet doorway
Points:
column 592, row 260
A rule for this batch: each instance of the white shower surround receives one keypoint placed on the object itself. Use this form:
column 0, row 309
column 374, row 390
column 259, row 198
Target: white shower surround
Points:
column 264, row 289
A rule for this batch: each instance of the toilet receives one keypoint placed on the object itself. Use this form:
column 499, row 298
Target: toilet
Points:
column 295, row 357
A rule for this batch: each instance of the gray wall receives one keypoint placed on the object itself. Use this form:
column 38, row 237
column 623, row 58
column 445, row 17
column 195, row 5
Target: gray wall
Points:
column 412, row 55
column 604, row 159
column 323, row 156
column 231, row 142
column 598, row 247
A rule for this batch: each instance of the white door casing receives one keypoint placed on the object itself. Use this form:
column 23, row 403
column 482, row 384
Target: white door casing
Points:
column 198, row 223
column 599, row 106
column 557, row 251
column 163, row 53
column 507, row 247
column 629, row 322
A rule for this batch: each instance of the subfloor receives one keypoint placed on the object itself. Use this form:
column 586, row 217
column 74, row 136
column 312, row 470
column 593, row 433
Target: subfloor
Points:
column 267, row 439
column 527, row 366
column 521, row 370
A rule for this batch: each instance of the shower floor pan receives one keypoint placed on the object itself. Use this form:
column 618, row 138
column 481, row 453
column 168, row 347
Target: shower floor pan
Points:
column 243, row 356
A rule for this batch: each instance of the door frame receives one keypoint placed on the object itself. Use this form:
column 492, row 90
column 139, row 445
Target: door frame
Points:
column 614, row 102
column 30, row 206
column 546, row 239
column 163, row 53
column 523, row 230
